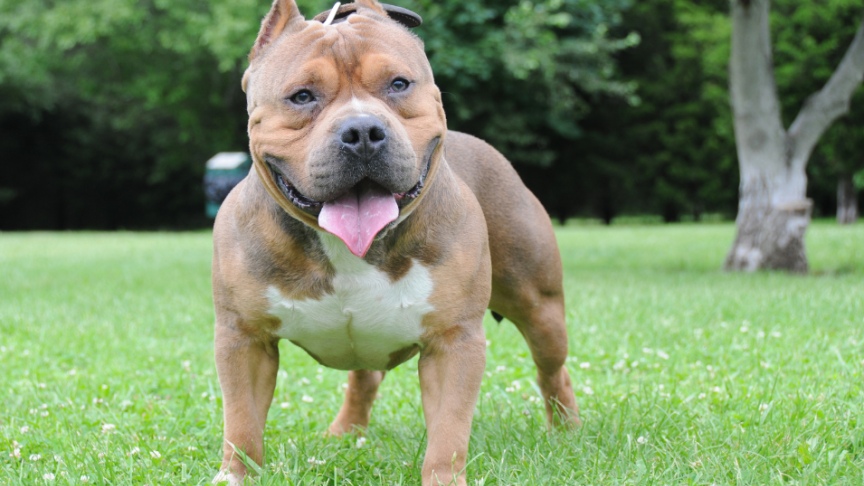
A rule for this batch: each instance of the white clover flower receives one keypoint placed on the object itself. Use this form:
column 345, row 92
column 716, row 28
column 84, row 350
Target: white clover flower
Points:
column 763, row 407
column 662, row 355
column 308, row 399
column 702, row 396
column 744, row 329
column 316, row 462
column 35, row 457
column 585, row 365
column 25, row 429
column 360, row 442
column 775, row 334
column 716, row 389
column 155, row 455
column 48, row 477
column 204, row 395
column 44, row 414
column 191, row 448
column 97, row 401
column 284, row 405
column 135, row 450
column 587, row 390
column 305, row 381
column 509, row 389
column 516, row 385
column 499, row 369
column 15, row 454
column 73, row 372
column 488, row 343
column 85, row 479
column 641, row 440
column 187, row 365
column 760, row 334
column 40, row 385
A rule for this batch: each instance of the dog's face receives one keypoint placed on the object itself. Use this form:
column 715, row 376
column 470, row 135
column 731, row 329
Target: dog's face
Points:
column 342, row 112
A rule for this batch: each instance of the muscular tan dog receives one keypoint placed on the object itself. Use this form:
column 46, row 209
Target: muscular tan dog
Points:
column 368, row 233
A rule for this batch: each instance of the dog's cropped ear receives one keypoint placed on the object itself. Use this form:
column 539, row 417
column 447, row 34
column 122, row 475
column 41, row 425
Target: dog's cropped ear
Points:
column 283, row 15
column 372, row 4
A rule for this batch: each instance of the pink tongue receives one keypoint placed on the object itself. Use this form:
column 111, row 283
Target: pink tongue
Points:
column 359, row 215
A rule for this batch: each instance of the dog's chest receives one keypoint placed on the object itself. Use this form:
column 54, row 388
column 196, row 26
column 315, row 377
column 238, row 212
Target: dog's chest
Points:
column 367, row 322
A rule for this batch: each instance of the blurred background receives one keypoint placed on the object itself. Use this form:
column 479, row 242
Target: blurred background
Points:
column 609, row 109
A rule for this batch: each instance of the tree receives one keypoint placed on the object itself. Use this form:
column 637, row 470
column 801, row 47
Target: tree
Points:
column 773, row 210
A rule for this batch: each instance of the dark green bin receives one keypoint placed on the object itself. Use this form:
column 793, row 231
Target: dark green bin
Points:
column 224, row 171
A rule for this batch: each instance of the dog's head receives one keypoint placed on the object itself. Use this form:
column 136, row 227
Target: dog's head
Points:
column 346, row 124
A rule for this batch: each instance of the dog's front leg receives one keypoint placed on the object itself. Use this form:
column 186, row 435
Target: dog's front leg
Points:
column 451, row 371
column 247, row 368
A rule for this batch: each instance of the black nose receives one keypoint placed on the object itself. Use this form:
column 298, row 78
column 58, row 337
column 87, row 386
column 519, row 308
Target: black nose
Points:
column 363, row 135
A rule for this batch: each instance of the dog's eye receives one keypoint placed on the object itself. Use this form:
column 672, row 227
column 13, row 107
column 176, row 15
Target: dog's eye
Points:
column 302, row 97
column 399, row 84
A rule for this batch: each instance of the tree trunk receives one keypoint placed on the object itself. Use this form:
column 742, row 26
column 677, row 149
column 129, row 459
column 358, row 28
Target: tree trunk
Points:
column 847, row 200
column 773, row 210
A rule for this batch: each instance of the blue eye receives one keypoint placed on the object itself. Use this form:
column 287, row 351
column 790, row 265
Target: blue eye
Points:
column 399, row 84
column 302, row 97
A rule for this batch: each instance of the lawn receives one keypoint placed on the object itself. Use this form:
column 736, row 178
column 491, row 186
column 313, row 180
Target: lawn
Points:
column 684, row 374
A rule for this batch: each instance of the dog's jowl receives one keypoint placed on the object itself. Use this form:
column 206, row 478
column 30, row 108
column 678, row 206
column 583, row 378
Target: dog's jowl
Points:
column 368, row 233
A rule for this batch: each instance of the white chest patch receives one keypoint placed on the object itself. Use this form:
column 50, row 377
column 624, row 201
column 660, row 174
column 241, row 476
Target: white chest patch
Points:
column 364, row 320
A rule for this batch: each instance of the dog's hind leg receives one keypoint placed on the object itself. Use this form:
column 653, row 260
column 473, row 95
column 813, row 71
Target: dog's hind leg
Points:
column 357, row 407
column 539, row 316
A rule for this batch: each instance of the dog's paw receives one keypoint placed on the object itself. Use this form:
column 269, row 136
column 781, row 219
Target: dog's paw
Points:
column 226, row 477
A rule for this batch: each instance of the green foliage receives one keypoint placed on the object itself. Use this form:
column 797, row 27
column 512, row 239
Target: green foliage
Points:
column 605, row 107
column 519, row 73
column 728, row 378
column 673, row 154
column 153, row 89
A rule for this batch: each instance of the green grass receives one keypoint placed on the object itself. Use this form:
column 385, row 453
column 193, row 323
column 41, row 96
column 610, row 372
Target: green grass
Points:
column 685, row 374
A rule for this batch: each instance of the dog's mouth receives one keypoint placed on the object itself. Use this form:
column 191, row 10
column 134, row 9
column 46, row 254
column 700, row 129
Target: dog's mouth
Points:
column 313, row 206
column 358, row 215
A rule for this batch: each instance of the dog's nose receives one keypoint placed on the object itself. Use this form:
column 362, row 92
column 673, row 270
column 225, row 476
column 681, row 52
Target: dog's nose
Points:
column 363, row 135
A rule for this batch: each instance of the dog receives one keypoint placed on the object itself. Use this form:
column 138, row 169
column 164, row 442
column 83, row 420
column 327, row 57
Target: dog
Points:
column 368, row 233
